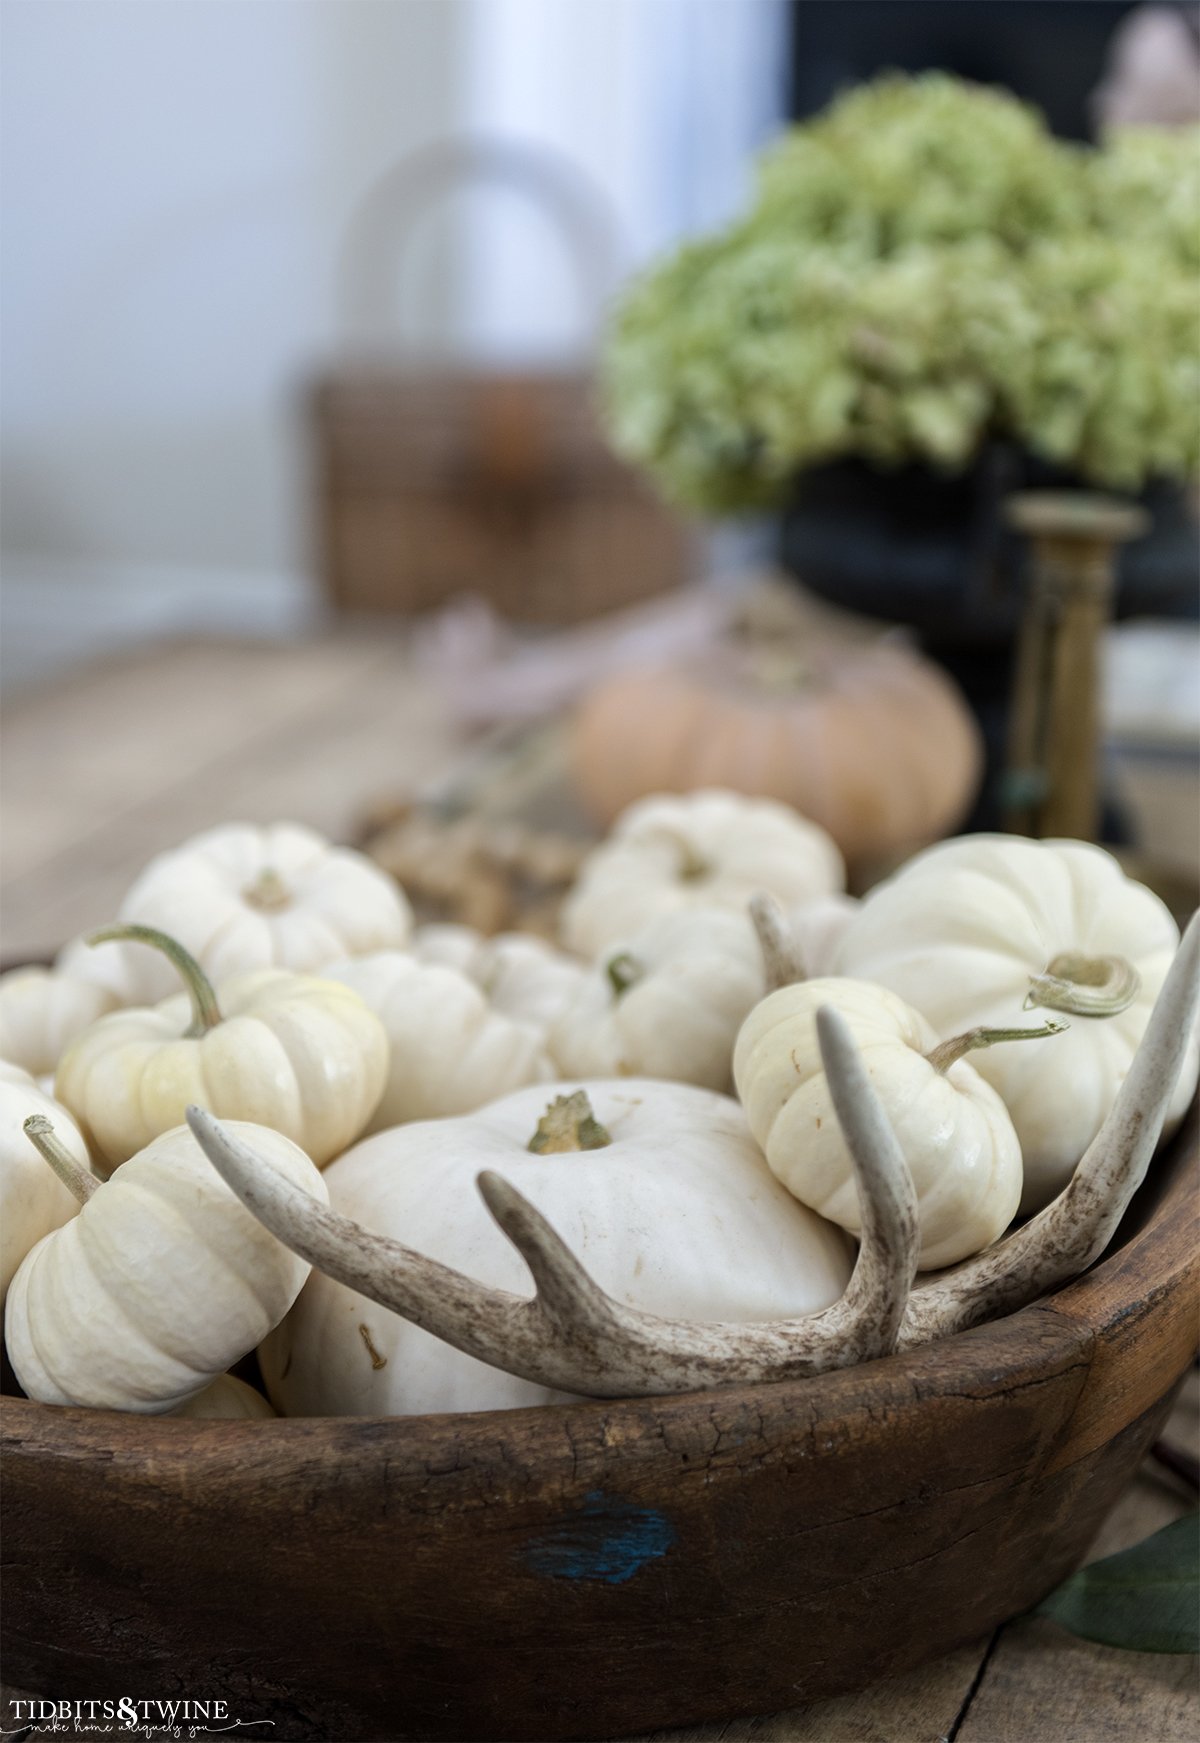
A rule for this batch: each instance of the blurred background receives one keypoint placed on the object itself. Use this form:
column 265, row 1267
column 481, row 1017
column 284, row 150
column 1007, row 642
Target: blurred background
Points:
column 302, row 306
column 181, row 185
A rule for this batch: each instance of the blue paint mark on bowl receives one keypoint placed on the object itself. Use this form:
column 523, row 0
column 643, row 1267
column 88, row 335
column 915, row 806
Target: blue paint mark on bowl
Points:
column 609, row 1540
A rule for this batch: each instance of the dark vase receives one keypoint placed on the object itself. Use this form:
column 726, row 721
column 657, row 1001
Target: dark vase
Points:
column 932, row 551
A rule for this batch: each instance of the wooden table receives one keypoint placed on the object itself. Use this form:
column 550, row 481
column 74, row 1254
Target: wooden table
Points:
column 109, row 765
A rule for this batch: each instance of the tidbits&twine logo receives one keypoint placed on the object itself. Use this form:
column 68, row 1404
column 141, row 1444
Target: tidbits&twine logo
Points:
column 31, row 1714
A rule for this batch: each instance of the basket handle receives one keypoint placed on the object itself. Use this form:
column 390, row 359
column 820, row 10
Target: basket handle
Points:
column 379, row 228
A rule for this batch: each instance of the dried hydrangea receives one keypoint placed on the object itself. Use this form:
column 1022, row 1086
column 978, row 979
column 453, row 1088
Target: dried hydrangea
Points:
column 925, row 267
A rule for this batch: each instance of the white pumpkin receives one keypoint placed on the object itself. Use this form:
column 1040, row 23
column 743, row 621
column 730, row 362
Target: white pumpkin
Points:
column 42, row 1010
column 292, row 1051
column 707, row 849
column 445, row 944
column 968, row 933
column 673, row 1211
column 816, row 929
column 518, row 974
column 448, row 1050
column 125, row 973
column 160, row 1283
column 228, row 1399
column 32, row 1199
column 952, row 1127
column 243, row 897
column 668, row 1004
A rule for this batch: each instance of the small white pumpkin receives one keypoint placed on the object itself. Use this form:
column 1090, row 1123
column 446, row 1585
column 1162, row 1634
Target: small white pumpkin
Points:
column 816, row 930
column 42, row 1010
column 953, row 1128
column 228, row 1399
column 292, row 1051
column 662, row 1194
column 243, row 897
column 32, row 1199
column 707, row 849
column 518, row 974
column 668, row 1004
column 125, row 973
column 975, row 930
column 449, row 1051
column 444, row 944
column 160, row 1283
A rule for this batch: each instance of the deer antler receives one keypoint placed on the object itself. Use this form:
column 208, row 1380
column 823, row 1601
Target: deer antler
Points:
column 783, row 960
column 571, row 1335
column 1070, row 1233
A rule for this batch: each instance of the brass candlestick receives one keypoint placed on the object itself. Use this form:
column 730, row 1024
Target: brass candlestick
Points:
column 1052, row 781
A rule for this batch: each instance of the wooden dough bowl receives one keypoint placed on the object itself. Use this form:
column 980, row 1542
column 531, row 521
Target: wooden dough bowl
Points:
column 598, row 1569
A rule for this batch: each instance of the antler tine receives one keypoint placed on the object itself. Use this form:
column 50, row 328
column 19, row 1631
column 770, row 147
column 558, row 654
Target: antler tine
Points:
column 1070, row 1233
column 878, row 1292
column 571, row 1335
column 783, row 963
column 463, row 1312
column 566, row 1295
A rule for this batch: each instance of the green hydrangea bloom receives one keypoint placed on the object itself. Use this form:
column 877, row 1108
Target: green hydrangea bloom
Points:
column 925, row 267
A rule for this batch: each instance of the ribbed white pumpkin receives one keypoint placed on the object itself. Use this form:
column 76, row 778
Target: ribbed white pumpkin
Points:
column 41, row 1012
column 123, row 973
column 445, row 944
column 956, row 1136
column 518, row 974
column 160, row 1283
column 32, row 1198
column 297, row 1052
column 668, row 1004
column 816, row 930
column 243, row 896
column 678, row 1214
column 449, row 1050
column 228, row 1399
column 706, row 849
column 963, row 930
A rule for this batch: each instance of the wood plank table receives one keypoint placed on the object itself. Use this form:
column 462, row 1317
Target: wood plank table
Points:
column 110, row 764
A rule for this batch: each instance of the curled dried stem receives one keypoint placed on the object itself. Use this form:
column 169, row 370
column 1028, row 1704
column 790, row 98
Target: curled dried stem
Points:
column 1072, row 1232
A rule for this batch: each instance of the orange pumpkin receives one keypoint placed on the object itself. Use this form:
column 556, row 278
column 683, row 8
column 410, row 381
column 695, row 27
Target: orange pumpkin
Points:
column 872, row 742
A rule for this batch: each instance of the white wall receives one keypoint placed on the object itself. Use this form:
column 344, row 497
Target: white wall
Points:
column 660, row 103
column 176, row 181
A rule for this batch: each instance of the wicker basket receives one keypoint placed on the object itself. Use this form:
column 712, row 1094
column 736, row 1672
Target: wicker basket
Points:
column 441, row 482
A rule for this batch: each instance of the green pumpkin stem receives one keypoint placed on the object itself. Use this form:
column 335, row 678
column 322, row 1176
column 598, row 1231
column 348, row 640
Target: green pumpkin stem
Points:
column 623, row 971
column 567, row 1125
column 267, row 892
column 46, row 1141
column 947, row 1053
column 206, row 1013
column 1084, row 986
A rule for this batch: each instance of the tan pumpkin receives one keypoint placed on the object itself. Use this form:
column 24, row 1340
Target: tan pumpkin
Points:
column 872, row 742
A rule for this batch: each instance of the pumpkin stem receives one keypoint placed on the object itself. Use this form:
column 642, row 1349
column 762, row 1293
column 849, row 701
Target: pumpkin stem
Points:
column 206, row 1013
column 692, row 867
column 46, row 1141
column 623, row 970
column 268, row 892
column 568, row 1124
column 1084, row 986
column 947, row 1053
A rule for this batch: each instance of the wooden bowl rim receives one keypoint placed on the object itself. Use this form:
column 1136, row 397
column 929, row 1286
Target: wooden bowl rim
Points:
column 1161, row 1254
